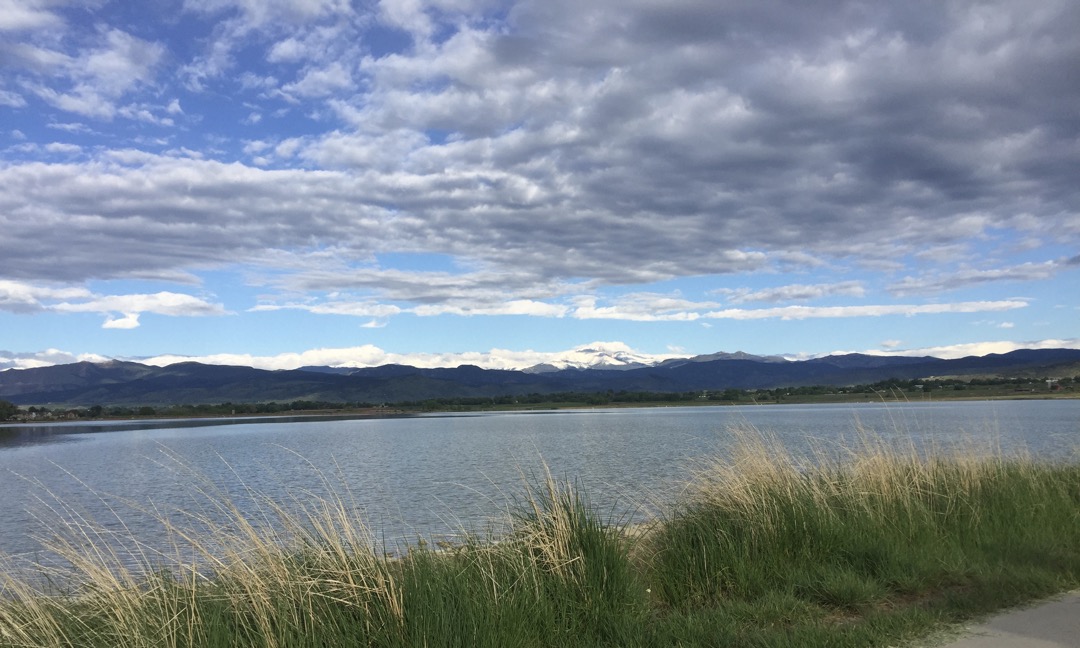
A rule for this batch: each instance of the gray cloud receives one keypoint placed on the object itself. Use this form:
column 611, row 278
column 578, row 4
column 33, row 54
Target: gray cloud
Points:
column 939, row 282
column 794, row 292
column 23, row 298
column 610, row 142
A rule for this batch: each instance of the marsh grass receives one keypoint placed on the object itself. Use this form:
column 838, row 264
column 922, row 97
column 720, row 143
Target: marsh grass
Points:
column 873, row 536
column 870, row 546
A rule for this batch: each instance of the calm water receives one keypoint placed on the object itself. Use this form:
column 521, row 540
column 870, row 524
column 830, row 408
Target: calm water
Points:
column 434, row 475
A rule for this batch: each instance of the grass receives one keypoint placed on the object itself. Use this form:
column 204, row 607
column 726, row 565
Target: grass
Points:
column 873, row 547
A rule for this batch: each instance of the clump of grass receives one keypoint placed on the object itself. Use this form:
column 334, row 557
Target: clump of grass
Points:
column 294, row 580
column 867, row 547
column 857, row 538
column 310, row 575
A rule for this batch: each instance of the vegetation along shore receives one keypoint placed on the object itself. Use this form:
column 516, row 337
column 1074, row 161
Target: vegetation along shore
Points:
column 882, row 391
column 878, row 545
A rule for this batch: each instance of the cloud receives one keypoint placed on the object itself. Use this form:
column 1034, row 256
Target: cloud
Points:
column 372, row 356
column 325, row 31
column 794, row 292
column 831, row 312
column 646, row 307
column 369, row 355
column 979, row 348
column 61, row 147
column 350, row 308
column 12, row 99
column 19, row 15
column 128, row 321
column 47, row 358
column 940, row 282
column 20, row 297
column 511, row 307
column 131, row 306
column 469, row 297
column 321, row 82
column 561, row 152
column 97, row 77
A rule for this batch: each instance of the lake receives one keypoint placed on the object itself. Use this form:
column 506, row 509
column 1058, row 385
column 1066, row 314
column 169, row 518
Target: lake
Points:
column 433, row 475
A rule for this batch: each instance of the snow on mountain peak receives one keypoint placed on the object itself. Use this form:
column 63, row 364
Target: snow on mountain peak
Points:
column 599, row 355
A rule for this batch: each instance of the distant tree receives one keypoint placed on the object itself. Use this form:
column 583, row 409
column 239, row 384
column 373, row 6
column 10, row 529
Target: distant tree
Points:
column 8, row 410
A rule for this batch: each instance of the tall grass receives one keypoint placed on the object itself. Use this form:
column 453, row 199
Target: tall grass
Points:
column 867, row 547
column 876, row 535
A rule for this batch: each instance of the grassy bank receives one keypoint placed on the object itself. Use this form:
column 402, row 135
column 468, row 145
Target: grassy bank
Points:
column 874, row 547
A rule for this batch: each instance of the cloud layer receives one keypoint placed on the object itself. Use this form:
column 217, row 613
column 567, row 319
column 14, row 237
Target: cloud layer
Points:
column 562, row 157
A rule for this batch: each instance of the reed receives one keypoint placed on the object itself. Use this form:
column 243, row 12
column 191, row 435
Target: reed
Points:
column 873, row 545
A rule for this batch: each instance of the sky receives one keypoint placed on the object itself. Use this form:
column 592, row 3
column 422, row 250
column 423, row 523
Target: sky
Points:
column 280, row 183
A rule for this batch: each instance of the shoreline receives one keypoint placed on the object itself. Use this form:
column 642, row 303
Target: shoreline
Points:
column 761, row 552
column 407, row 412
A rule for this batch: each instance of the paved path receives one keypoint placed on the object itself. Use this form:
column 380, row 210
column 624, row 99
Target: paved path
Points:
column 1051, row 624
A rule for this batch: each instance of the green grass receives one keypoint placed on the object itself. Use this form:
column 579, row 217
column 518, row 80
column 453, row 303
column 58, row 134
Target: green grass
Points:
column 873, row 548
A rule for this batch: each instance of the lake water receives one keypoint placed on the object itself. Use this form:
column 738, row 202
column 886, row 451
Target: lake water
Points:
column 437, row 474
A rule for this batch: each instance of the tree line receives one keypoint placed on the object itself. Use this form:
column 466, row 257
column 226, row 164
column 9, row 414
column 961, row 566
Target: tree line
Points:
column 9, row 411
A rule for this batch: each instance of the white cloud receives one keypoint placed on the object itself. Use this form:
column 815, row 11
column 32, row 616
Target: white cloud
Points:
column 879, row 310
column 640, row 307
column 12, row 99
column 408, row 15
column 21, row 297
column 288, row 50
column 47, row 358
column 62, row 147
column 372, row 356
column 70, row 127
column 160, row 303
column 350, row 308
column 794, row 292
column 19, row 15
column 940, row 282
column 257, row 14
column 128, row 321
column 635, row 308
column 569, row 155
column 93, row 80
column 321, row 82
column 953, row 351
column 511, row 307
column 369, row 355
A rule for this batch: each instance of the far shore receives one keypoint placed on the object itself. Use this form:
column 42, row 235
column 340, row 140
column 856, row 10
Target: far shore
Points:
column 392, row 411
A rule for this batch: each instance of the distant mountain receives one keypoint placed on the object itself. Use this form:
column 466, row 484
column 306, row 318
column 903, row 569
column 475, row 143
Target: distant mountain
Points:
column 738, row 355
column 129, row 383
column 599, row 355
column 70, row 377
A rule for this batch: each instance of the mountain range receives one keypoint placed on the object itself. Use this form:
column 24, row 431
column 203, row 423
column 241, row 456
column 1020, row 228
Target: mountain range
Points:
column 131, row 383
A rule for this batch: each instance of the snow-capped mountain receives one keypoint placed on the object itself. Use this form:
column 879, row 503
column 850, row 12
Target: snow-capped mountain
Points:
column 599, row 355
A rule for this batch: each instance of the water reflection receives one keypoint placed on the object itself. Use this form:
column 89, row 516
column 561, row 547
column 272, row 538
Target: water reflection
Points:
column 21, row 434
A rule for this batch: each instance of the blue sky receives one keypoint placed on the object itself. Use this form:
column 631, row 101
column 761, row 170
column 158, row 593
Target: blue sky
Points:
column 291, row 182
